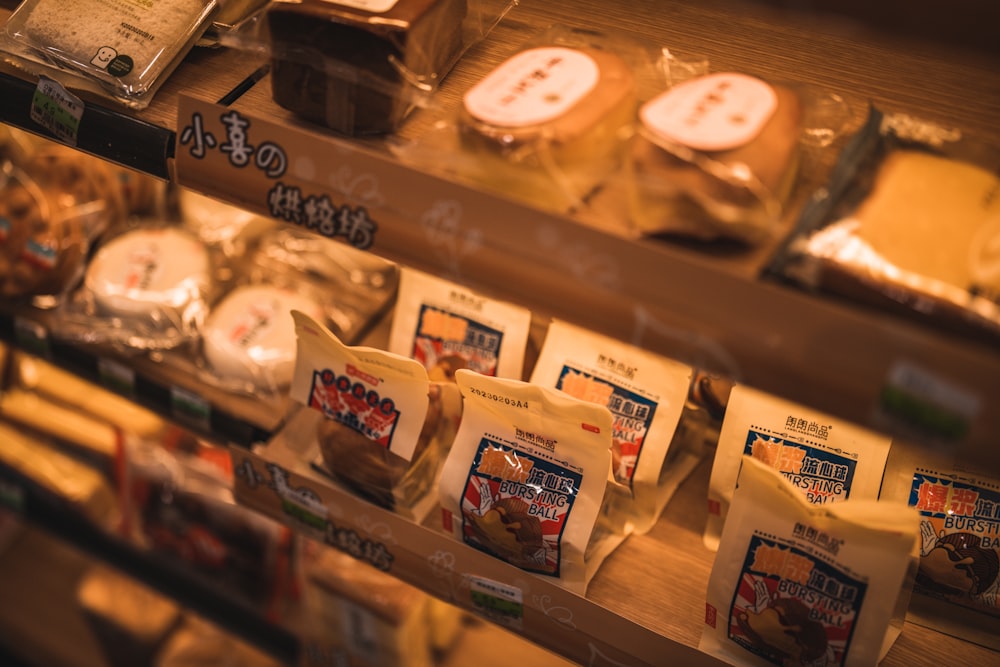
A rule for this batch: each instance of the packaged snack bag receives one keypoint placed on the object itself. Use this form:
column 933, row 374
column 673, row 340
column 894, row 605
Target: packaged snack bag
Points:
column 445, row 327
column 385, row 426
column 958, row 582
column 526, row 476
column 801, row 584
column 826, row 458
column 645, row 394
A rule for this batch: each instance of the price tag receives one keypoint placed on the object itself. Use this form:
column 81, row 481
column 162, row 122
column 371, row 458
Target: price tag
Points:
column 32, row 337
column 190, row 408
column 916, row 399
column 116, row 376
column 497, row 601
column 57, row 110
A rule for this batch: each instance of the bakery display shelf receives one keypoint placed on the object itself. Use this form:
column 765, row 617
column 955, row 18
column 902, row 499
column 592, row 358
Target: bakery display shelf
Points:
column 172, row 390
column 56, row 517
column 645, row 605
column 710, row 308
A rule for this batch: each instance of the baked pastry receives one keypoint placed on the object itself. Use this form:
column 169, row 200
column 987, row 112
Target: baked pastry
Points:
column 356, row 66
column 158, row 276
column 716, row 157
column 51, row 209
column 923, row 237
column 546, row 125
column 374, row 471
column 249, row 337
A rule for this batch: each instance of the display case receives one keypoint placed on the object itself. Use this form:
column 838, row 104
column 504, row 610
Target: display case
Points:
column 714, row 307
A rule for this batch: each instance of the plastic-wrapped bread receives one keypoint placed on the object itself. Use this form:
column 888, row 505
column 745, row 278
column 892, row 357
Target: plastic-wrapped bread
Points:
column 716, row 158
column 547, row 124
column 356, row 66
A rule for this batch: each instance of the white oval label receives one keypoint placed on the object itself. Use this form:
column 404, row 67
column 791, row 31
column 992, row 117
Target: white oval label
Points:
column 711, row 113
column 535, row 86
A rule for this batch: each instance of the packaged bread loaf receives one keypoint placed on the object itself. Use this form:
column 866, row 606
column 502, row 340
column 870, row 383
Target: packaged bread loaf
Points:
column 526, row 477
column 826, row 459
column 715, row 157
column 957, row 588
column 549, row 123
column 645, row 394
column 908, row 226
column 385, row 426
column 359, row 66
column 796, row 583
column 446, row 326
column 123, row 49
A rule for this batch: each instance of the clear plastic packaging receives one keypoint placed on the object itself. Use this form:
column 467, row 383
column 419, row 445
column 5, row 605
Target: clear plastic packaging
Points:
column 145, row 288
column 360, row 66
column 124, row 50
column 716, row 156
column 54, row 205
column 909, row 223
column 550, row 123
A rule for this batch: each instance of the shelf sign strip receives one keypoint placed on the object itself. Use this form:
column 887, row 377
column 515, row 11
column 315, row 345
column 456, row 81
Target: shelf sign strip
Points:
column 274, row 170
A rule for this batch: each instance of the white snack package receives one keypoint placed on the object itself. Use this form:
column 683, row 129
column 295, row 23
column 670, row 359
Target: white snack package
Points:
column 526, row 475
column 645, row 393
column 958, row 583
column 801, row 584
column 826, row 458
column 445, row 327
column 386, row 426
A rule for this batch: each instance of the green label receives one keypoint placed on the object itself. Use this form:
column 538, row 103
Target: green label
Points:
column 57, row 110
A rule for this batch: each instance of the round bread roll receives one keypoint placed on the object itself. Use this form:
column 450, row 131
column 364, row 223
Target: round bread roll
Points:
column 149, row 273
column 249, row 336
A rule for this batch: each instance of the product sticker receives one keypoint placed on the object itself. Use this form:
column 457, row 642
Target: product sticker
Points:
column 116, row 376
column 960, row 541
column 351, row 397
column 57, row 110
column 631, row 412
column 444, row 339
column 32, row 337
column 711, row 113
column 373, row 6
column 824, row 476
column 190, row 408
column 793, row 608
column 917, row 398
column 497, row 601
column 535, row 86
column 516, row 506
column 5, row 227
column 360, row 627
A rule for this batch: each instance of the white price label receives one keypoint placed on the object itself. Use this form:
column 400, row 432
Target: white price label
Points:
column 57, row 110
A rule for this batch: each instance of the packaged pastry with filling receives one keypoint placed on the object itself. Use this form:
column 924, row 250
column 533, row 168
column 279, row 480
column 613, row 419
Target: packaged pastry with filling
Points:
column 910, row 223
column 382, row 428
column 55, row 204
column 526, row 478
column 646, row 395
column 824, row 458
column 957, row 587
column 715, row 157
column 145, row 288
column 446, row 326
column 549, row 124
column 796, row 583
column 361, row 66
column 122, row 50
